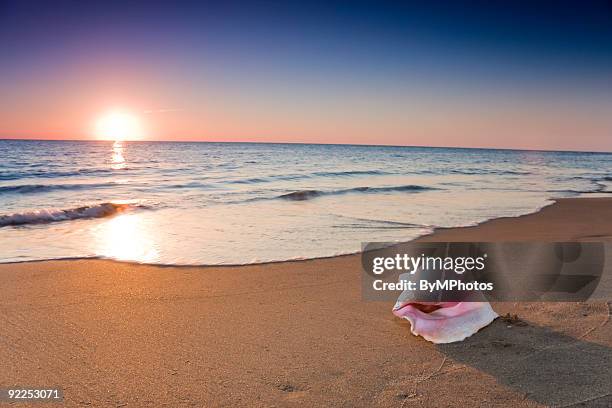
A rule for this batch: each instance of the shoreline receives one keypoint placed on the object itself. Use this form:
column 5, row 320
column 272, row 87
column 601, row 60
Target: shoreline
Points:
column 434, row 231
column 296, row 333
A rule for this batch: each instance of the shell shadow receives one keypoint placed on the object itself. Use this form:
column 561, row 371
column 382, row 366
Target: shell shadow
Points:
column 548, row 367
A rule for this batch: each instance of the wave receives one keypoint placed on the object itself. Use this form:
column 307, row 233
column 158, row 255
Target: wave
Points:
column 309, row 194
column 506, row 172
column 579, row 192
column 598, row 187
column 301, row 195
column 290, row 177
column 193, row 184
column 351, row 173
column 253, row 180
column 43, row 188
column 365, row 173
column 53, row 174
column 54, row 215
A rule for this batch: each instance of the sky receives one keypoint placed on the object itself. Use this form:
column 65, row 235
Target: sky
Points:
column 467, row 74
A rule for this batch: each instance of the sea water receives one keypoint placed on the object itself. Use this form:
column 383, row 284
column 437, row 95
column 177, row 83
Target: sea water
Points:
column 239, row 203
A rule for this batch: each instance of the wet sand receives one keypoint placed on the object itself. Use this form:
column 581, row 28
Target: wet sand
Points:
column 295, row 334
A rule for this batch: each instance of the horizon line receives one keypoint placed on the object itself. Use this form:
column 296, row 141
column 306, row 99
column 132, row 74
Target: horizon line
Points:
column 310, row 143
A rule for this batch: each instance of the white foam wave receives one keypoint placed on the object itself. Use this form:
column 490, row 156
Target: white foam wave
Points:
column 54, row 215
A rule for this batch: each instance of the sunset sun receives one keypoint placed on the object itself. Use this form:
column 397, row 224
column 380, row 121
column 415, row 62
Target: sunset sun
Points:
column 118, row 126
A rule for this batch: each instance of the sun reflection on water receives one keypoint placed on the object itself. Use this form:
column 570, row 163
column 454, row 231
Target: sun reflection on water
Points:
column 126, row 237
column 117, row 159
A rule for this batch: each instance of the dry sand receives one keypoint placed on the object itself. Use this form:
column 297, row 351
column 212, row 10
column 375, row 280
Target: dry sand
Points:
column 295, row 334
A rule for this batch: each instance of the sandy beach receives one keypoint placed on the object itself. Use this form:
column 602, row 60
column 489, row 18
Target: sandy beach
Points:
column 295, row 334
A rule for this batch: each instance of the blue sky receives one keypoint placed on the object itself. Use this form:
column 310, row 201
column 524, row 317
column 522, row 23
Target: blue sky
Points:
column 430, row 73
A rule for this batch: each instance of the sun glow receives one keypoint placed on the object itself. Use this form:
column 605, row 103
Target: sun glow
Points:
column 119, row 126
column 126, row 237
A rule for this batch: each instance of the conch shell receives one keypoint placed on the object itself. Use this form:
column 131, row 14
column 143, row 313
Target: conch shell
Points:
column 445, row 322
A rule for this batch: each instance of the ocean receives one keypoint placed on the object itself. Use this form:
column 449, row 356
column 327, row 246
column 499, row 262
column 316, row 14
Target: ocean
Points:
column 240, row 203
